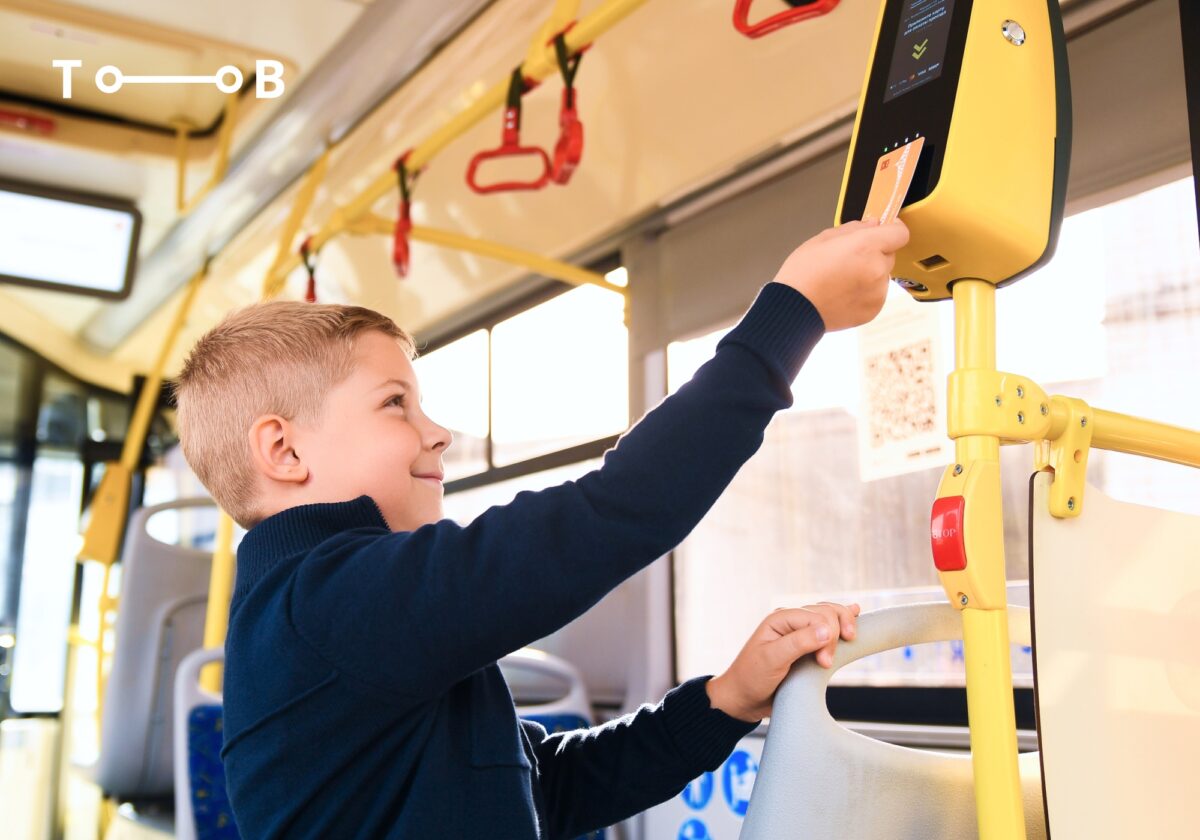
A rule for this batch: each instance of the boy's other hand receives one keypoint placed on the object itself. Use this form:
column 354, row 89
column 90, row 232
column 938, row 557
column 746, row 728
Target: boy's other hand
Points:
column 844, row 271
column 747, row 688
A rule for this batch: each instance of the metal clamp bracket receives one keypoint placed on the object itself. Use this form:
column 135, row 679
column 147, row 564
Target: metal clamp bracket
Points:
column 997, row 404
column 1069, row 450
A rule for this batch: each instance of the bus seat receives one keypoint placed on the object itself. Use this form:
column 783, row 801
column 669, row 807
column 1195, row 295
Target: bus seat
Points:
column 202, row 809
column 819, row 779
column 164, row 591
column 529, row 671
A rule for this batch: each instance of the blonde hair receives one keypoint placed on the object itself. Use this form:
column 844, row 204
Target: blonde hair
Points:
column 279, row 358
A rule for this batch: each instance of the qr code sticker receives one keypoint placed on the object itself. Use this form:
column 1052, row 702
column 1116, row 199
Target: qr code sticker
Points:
column 900, row 394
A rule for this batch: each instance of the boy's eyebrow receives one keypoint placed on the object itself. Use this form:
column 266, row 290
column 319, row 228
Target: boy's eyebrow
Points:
column 390, row 382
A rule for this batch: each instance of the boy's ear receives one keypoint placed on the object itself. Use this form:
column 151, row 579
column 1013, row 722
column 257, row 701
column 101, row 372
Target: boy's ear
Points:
column 272, row 446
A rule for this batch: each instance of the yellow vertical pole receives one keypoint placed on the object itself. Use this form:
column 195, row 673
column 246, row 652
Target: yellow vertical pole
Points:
column 220, row 593
column 998, row 799
column 182, row 129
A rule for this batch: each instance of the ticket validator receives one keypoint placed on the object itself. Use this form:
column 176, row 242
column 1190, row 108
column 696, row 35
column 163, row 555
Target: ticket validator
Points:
column 985, row 83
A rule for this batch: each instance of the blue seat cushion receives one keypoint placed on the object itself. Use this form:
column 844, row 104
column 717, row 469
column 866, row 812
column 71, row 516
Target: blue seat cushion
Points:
column 210, row 801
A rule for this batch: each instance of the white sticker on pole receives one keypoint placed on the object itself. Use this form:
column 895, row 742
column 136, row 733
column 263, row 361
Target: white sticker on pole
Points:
column 902, row 374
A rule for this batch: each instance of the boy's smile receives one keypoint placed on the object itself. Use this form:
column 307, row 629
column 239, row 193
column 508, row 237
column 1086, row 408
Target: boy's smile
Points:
column 373, row 438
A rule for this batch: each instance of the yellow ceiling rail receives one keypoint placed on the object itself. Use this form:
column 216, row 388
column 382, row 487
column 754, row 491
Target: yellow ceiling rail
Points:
column 224, row 141
column 536, row 67
column 561, row 15
column 556, row 269
column 273, row 282
column 183, row 129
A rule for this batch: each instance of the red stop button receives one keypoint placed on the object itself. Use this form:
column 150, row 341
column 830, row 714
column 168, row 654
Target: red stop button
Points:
column 946, row 533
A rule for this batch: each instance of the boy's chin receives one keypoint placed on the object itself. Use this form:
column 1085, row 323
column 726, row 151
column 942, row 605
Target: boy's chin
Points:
column 409, row 521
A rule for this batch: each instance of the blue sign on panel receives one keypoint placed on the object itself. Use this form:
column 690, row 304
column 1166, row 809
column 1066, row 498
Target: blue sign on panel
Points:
column 694, row 830
column 737, row 778
column 698, row 792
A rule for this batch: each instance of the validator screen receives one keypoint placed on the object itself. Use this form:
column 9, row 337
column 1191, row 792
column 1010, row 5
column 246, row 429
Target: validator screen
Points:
column 920, row 45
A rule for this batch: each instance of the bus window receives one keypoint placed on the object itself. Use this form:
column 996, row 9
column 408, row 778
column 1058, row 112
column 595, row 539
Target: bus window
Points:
column 1119, row 301
column 559, row 375
column 465, row 505
column 47, row 577
column 454, row 392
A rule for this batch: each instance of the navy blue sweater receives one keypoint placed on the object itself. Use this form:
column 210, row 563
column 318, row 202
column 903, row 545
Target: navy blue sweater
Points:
column 362, row 698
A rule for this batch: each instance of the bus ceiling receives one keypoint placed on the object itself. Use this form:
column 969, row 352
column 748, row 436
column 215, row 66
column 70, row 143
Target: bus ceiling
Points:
column 639, row 160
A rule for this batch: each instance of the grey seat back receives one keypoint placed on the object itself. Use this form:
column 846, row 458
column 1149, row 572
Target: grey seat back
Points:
column 818, row 779
column 164, row 594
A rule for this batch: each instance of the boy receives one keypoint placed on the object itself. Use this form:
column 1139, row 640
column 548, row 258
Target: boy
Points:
column 362, row 698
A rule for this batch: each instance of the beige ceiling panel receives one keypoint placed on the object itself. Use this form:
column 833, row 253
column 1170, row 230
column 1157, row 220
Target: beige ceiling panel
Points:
column 48, row 337
column 38, row 33
column 645, row 142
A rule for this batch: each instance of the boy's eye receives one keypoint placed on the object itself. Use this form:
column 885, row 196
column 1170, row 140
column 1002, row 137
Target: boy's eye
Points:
column 397, row 400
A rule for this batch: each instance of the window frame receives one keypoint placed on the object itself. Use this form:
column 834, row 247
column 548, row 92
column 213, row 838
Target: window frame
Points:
column 90, row 453
column 541, row 293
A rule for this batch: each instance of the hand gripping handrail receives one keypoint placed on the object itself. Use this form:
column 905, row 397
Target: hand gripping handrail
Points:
column 804, row 10
column 510, row 146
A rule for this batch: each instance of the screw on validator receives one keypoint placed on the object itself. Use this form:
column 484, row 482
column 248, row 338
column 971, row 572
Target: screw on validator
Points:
column 1020, row 416
column 1045, row 409
column 1071, row 503
column 998, row 400
column 958, row 469
column 1020, row 392
column 1082, row 422
column 962, row 599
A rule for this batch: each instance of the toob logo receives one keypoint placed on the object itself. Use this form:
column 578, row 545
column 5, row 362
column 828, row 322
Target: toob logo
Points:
column 268, row 78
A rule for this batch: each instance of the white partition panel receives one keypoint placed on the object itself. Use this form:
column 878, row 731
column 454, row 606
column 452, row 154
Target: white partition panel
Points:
column 1116, row 605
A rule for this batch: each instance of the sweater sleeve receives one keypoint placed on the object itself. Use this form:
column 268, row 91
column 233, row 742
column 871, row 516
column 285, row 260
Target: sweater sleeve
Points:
column 414, row 612
column 593, row 778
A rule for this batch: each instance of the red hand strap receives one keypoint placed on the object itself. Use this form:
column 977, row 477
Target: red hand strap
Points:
column 510, row 147
column 310, row 294
column 400, row 247
column 568, row 151
column 810, row 9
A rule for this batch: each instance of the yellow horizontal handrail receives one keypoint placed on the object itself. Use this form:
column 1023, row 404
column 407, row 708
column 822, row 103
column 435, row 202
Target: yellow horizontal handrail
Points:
column 544, row 63
column 556, row 269
column 1133, row 435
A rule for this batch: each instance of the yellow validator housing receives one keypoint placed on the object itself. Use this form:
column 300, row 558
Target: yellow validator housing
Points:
column 985, row 83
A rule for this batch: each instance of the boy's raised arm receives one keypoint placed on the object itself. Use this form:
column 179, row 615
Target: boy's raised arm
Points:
column 446, row 600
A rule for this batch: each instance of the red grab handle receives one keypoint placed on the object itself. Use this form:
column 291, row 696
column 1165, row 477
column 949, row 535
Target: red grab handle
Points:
column 568, row 151
column 809, row 9
column 510, row 147
column 400, row 249
column 306, row 257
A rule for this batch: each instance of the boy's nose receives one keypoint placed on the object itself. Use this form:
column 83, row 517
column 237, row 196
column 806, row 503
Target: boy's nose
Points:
column 438, row 438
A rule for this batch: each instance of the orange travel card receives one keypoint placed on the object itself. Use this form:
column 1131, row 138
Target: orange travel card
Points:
column 893, row 175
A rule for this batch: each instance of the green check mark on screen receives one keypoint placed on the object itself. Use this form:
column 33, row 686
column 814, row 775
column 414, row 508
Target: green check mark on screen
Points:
column 919, row 49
